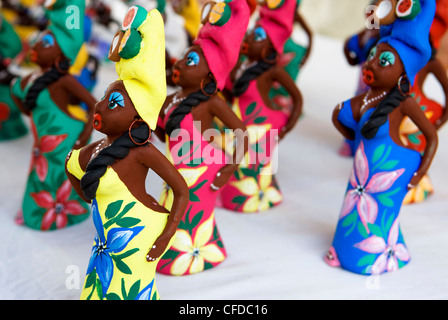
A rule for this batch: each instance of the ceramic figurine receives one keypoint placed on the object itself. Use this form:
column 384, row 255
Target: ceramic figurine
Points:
column 436, row 113
column 368, row 239
column 133, row 230
column 11, row 122
column 45, row 96
column 253, row 188
column 186, row 127
column 294, row 57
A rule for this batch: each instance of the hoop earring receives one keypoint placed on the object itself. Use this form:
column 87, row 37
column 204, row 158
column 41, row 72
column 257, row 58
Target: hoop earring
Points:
column 202, row 86
column 130, row 135
column 264, row 56
column 57, row 65
column 400, row 82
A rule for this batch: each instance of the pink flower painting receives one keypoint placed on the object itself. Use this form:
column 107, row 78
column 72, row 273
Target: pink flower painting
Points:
column 43, row 145
column 362, row 188
column 57, row 209
column 390, row 252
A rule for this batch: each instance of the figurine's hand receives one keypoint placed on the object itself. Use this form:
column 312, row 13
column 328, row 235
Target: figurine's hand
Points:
column 438, row 124
column 158, row 248
column 221, row 179
column 282, row 133
column 415, row 180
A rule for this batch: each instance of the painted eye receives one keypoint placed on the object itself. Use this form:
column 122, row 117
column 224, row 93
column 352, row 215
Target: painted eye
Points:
column 259, row 34
column 47, row 41
column 193, row 59
column 115, row 99
column 372, row 54
column 387, row 58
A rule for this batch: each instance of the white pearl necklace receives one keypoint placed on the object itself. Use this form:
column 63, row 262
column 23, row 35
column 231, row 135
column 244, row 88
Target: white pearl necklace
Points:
column 34, row 76
column 98, row 148
column 244, row 66
column 175, row 101
column 366, row 101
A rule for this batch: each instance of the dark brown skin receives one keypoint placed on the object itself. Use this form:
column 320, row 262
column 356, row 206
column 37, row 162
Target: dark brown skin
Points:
column 189, row 81
column 385, row 78
column 255, row 50
column 436, row 68
column 133, row 169
column 64, row 91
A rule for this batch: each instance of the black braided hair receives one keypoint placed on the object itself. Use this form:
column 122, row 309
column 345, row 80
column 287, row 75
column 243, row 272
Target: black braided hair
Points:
column 240, row 86
column 433, row 49
column 6, row 76
column 185, row 106
column 381, row 113
column 118, row 150
column 49, row 77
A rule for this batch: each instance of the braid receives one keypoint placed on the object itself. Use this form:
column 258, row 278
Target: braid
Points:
column 43, row 82
column 118, row 150
column 184, row 108
column 381, row 113
column 252, row 73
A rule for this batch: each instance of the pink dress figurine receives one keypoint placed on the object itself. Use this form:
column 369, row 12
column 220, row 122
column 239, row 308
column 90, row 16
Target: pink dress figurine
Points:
column 185, row 124
column 253, row 188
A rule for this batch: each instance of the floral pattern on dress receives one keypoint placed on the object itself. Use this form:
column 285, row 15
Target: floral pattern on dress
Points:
column 362, row 190
column 195, row 251
column 368, row 238
column 390, row 253
column 253, row 187
column 45, row 144
column 110, row 251
column 197, row 245
column 57, row 209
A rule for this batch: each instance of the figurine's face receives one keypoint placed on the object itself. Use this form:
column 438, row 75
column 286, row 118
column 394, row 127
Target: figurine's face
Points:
column 115, row 112
column 189, row 71
column 45, row 51
column 255, row 42
column 383, row 67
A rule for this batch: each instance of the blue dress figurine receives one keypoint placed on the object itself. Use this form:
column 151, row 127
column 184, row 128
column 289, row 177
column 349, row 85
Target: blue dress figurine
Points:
column 368, row 238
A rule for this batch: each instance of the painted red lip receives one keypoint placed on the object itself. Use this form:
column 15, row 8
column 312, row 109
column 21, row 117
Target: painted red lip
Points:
column 97, row 121
column 176, row 75
column 368, row 77
column 244, row 48
column 33, row 56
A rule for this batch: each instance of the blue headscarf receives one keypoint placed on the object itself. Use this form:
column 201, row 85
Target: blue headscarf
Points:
column 410, row 38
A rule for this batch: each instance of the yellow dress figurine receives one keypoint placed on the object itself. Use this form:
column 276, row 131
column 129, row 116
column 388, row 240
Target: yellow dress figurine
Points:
column 133, row 230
